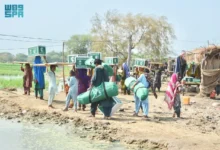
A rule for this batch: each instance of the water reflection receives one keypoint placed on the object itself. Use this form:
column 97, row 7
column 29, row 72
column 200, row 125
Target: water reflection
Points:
column 14, row 136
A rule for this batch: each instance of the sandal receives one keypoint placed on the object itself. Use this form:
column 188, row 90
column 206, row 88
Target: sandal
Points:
column 92, row 116
column 145, row 116
column 65, row 109
column 50, row 106
column 135, row 115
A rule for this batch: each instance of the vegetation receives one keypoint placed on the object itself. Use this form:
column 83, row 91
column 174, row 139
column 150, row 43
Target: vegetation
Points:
column 79, row 44
column 9, row 58
column 9, row 69
column 14, row 83
column 123, row 33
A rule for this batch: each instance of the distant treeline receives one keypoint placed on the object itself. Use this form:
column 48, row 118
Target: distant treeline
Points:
column 6, row 57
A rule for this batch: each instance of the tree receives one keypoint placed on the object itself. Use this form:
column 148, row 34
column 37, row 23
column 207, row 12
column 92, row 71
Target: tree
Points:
column 55, row 56
column 147, row 34
column 79, row 44
column 6, row 57
column 21, row 57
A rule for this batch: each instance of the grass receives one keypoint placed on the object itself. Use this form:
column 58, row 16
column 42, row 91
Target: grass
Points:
column 15, row 83
column 12, row 83
column 7, row 69
column 14, row 69
column 10, row 69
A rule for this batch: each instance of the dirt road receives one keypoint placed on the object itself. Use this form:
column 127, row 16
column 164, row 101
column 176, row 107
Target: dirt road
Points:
column 199, row 128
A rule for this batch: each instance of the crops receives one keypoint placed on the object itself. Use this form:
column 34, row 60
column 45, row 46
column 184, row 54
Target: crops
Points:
column 10, row 69
column 11, row 75
column 12, row 83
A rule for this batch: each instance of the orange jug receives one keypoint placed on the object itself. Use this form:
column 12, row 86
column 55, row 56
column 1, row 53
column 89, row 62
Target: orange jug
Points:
column 186, row 100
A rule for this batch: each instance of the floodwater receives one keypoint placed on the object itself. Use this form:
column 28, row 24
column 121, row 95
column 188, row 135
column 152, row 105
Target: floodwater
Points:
column 23, row 136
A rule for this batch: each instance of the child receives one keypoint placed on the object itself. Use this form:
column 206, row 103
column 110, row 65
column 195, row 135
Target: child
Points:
column 73, row 91
column 52, row 85
column 177, row 101
column 27, row 78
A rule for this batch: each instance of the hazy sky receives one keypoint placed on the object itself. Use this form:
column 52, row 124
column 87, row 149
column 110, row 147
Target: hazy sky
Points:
column 194, row 21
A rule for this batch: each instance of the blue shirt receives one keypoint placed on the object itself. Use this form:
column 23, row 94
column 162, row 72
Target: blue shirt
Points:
column 143, row 80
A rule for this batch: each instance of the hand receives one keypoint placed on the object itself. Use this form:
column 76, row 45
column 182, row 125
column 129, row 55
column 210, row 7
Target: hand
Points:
column 35, row 81
column 44, row 57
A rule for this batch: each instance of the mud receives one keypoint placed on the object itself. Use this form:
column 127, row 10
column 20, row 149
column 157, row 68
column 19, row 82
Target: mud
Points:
column 198, row 129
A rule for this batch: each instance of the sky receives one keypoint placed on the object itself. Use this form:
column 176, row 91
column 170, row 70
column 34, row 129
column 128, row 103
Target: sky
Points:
column 195, row 22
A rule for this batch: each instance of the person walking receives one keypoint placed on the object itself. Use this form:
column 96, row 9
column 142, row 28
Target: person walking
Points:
column 99, row 77
column 144, row 79
column 73, row 91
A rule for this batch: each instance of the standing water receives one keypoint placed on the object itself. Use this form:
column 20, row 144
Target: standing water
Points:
column 15, row 136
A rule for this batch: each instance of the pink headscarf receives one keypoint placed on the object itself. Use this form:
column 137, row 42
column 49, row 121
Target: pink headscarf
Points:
column 171, row 90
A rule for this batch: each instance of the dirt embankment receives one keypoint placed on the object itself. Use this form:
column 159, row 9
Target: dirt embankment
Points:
column 199, row 129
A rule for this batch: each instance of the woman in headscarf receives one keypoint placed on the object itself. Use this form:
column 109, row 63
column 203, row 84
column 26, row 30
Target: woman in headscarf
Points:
column 39, row 77
column 171, row 90
column 125, row 75
column 83, row 85
column 27, row 78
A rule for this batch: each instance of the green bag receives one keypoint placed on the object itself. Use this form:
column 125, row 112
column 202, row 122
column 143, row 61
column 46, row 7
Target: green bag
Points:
column 108, row 69
column 90, row 63
column 98, row 93
column 140, row 90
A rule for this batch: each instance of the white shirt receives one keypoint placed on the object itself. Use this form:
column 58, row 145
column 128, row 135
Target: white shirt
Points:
column 52, row 80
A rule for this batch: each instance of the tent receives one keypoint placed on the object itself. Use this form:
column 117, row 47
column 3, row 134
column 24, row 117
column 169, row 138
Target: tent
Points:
column 209, row 59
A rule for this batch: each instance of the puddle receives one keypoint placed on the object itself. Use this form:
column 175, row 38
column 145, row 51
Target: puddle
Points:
column 15, row 136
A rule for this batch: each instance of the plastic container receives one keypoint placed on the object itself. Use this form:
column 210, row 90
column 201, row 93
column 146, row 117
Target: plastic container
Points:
column 186, row 100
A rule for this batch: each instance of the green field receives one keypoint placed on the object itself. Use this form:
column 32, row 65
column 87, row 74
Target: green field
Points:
column 14, row 83
column 15, row 69
column 10, row 69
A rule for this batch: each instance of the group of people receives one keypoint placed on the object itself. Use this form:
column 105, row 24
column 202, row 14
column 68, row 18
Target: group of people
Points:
column 80, row 81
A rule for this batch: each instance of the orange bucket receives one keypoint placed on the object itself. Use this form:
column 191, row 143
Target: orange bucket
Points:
column 186, row 100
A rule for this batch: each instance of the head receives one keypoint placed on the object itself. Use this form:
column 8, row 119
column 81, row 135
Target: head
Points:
column 146, row 73
column 37, row 60
column 72, row 73
column 179, row 88
column 53, row 68
column 97, row 62
column 178, row 77
column 27, row 66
